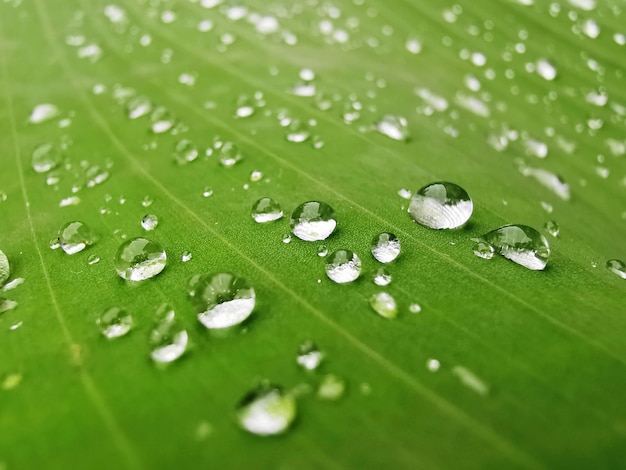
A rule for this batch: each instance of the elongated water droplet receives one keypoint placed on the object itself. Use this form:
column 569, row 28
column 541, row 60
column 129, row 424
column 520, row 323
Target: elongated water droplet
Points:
column 7, row 304
column 552, row 228
column 43, row 112
column 229, row 154
column 5, row 268
column 313, row 221
column 115, row 322
column 546, row 70
column 185, row 152
column 521, row 244
column 266, row 411
column 482, row 249
column 394, row 127
column 149, row 222
column 168, row 340
column 96, row 175
column 297, row 131
column 138, row 259
column 75, row 237
column 617, row 267
column 93, row 259
column 138, row 107
column 441, row 206
column 18, row 281
column 384, row 305
column 309, row 356
column 221, row 300
column 343, row 266
column 385, row 247
column 45, row 157
column 186, row 256
column 331, row 388
column 382, row 277
column 266, row 210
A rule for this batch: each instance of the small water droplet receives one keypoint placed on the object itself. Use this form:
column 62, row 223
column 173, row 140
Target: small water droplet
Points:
column 256, row 176
column 266, row 210
column 441, row 206
column 394, row 127
column 343, row 266
column 617, row 267
column 43, row 112
column 221, row 300
column 186, row 256
column 138, row 259
column 482, row 249
column 115, row 322
column 149, row 222
column 11, row 381
column 313, row 221
column 147, row 201
column 415, row 308
column 471, row 380
column 413, row 45
column 331, row 388
column 382, row 277
column 546, row 70
column 74, row 237
column 297, row 131
column 433, row 365
column 5, row 268
column 208, row 192
column 96, row 175
column 16, row 325
column 139, row 106
column 552, row 228
column 229, row 154
column 266, row 411
column 309, row 356
column 521, row 244
column 185, row 152
column 7, row 304
column 322, row 251
column 168, row 340
column 384, row 305
column 93, row 259
column 45, row 157
column 18, row 281
column 286, row 238
column 385, row 247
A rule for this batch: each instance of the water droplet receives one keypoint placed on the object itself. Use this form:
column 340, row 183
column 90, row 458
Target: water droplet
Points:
column 309, row 356
column 138, row 107
column 229, row 154
column 18, row 281
column 43, row 112
column 221, row 300
column 331, row 388
column 415, row 308
column 74, row 237
column 413, row 45
column 385, row 247
column 93, row 259
column 266, row 210
column 433, row 365
column 5, row 268
column 10, row 382
column 149, row 222
column 286, row 238
column 138, row 259
column 548, row 179
column 7, row 304
column 245, row 107
column 441, row 206
column 546, row 70
column 186, row 256
column 313, row 221
column 384, row 305
column 471, row 380
column 115, row 322
column 552, row 228
column 482, row 249
column 147, row 201
column 45, row 157
column 208, row 192
column 382, row 277
column 343, row 266
column 521, row 244
column 185, row 152
column 322, row 251
column 394, row 127
column 297, row 131
column 617, row 266
column 168, row 340
column 266, row 411
column 256, row 176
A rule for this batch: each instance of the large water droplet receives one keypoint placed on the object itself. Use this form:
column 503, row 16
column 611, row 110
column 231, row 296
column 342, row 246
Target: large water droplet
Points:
column 441, row 206
column 5, row 268
column 75, row 237
column 384, row 305
column 313, row 221
column 266, row 411
column 115, row 322
column 139, row 259
column 168, row 340
column 309, row 356
column 617, row 266
column 45, row 157
column 266, row 210
column 520, row 244
column 343, row 266
column 385, row 247
column 221, row 300
column 394, row 127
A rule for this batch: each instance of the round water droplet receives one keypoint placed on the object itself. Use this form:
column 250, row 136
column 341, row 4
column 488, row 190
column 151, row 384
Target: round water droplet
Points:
column 147, row 201
column 382, row 277
column 521, row 244
column 150, row 222
column 221, row 300
column 441, row 206
column 297, row 131
column 322, row 251
column 138, row 107
column 229, row 154
column 343, row 266
column 266, row 411
column 138, row 259
column 394, row 127
column 266, row 210
column 385, row 247
column 552, row 228
column 75, row 237
column 331, row 388
column 5, row 268
column 482, row 249
column 45, row 157
column 309, row 356
column 95, row 176
column 617, row 267
column 286, row 238
column 93, row 259
column 415, row 308
column 384, row 305
column 115, row 322
column 313, row 221
column 168, row 340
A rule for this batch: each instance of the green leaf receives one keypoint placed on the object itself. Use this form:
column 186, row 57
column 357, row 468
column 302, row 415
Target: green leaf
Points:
column 504, row 367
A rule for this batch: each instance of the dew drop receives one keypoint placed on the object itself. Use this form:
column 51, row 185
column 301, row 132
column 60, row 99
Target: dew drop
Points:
column 221, row 300
column 93, row 259
column 521, row 244
column 384, row 305
column 309, row 356
column 441, row 206
column 229, row 154
column 394, row 127
column 415, row 308
column 138, row 106
column 286, row 238
column 617, row 267
column 266, row 210
column 322, row 251
column 266, row 411
column 45, row 157
column 7, row 305
column 552, row 228
column 343, row 266
column 115, row 322
column 546, row 70
column 382, row 277
column 433, row 365
column 149, row 222
column 297, row 131
column 385, row 247
column 147, row 201
column 43, row 112
column 185, row 152
column 313, row 221
column 5, row 268
column 482, row 249
column 331, row 388
column 138, row 259
column 256, row 176
column 74, row 237
column 186, row 256
column 168, row 340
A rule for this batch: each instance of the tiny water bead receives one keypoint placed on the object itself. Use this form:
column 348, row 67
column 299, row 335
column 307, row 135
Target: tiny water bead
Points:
column 552, row 228
column 343, row 266
column 74, row 237
column 138, row 259
column 521, row 244
column 5, row 268
column 385, row 247
column 382, row 277
column 394, row 127
column 45, row 157
column 221, row 300
column 7, row 305
column 331, row 388
column 168, row 340
column 149, row 222
column 384, row 305
column 266, row 411
column 441, row 205
column 229, row 154
column 415, row 308
column 617, row 267
column 309, row 356
column 266, row 210
column 115, row 322
column 313, row 221
column 482, row 249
